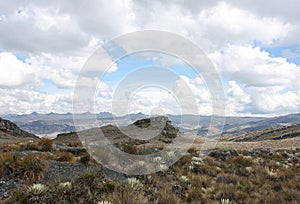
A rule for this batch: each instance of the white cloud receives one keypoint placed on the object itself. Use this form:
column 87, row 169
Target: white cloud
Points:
column 237, row 99
column 198, row 88
column 26, row 101
column 252, row 67
column 37, row 30
column 231, row 24
column 272, row 100
column 213, row 27
column 61, row 26
column 195, row 97
column 101, row 18
column 15, row 73
column 62, row 70
column 68, row 27
column 58, row 36
column 258, row 83
column 150, row 100
column 100, row 62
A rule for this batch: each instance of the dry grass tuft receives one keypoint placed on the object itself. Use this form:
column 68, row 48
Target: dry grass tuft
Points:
column 64, row 156
column 30, row 168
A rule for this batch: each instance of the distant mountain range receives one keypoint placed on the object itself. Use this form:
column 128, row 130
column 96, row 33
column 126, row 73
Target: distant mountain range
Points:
column 52, row 124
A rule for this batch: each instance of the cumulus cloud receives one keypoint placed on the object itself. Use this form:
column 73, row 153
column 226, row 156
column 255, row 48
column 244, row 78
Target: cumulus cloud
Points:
column 61, row 70
column 252, row 67
column 237, row 99
column 101, row 62
column 150, row 101
column 258, row 83
column 22, row 101
column 30, row 72
column 196, row 96
column 15, row 73
column 270, row 100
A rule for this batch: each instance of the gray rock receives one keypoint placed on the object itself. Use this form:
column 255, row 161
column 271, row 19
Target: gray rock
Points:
column 7, row 186
column 223, row 154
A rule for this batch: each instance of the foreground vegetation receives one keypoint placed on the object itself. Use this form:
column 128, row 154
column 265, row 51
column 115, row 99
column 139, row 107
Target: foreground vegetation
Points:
column 225, row 176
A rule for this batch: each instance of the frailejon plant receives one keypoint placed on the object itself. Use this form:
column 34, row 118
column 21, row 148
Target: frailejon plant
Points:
column 225, row 201
column 36, row 189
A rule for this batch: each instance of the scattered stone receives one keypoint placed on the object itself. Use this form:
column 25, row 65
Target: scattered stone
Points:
column 223, row 154
column 7, row 186
column 263, row 151
column 66, row 171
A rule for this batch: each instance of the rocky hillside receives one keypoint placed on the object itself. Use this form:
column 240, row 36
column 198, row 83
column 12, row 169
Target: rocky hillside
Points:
column 244, row 127
column 272, row 133
column 164, row 132
column 9, row 128
column 44, row 128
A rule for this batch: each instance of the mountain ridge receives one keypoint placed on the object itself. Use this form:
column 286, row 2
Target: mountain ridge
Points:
column 11, row 128
column 10, row 132
column 52, row 123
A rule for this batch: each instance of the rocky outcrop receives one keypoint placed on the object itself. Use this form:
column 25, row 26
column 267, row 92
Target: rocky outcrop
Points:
column 118, row 136
column 161, row 122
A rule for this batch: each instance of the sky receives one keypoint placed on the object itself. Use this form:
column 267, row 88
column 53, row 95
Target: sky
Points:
column 254, row 46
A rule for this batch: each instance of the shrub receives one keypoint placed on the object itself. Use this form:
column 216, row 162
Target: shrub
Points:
column 240, row 161
column 45, row 145
column 130, row 148
column 166, row 196
column 129, row 192
column 8, row 147
column 105, row 187
column 87, row 188
column 221, row 181
column 85, row 158
column 29, row 168
column 8, row 163
column 74, row 144
column 30, row 146
column 64, row 156
column 32, row 168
